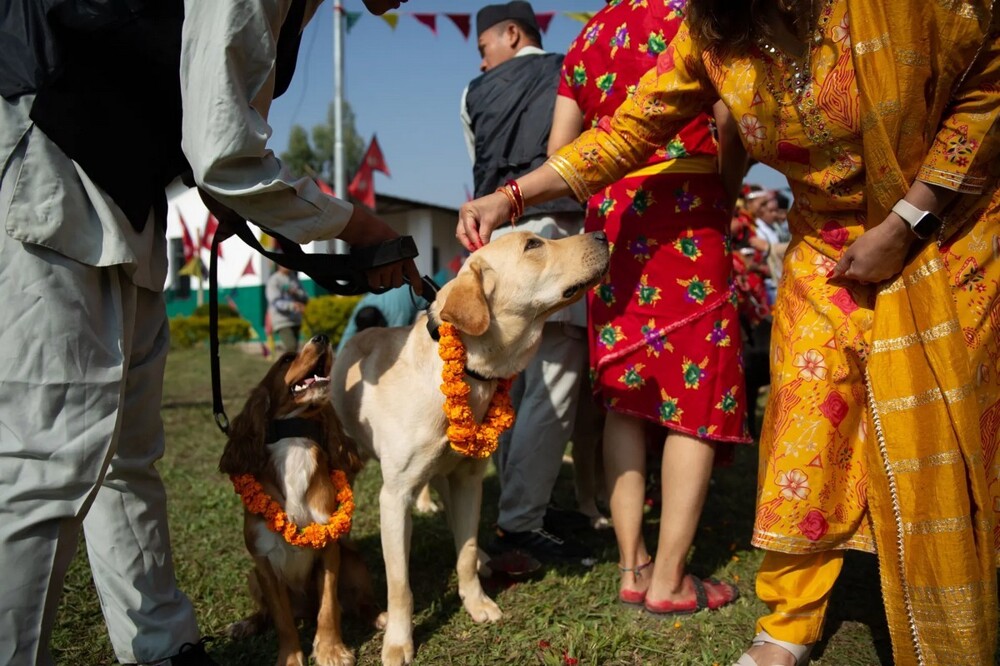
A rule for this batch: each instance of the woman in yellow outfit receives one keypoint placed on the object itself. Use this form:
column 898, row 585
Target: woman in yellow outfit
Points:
column 883, row 426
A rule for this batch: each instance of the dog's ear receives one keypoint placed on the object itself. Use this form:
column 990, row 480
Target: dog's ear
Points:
column 244, row 452
column 465, row 306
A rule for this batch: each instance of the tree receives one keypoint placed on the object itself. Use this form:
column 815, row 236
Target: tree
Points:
column 314, row 157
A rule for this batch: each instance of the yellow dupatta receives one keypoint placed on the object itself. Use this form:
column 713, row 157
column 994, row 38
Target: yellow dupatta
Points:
column 930, row 505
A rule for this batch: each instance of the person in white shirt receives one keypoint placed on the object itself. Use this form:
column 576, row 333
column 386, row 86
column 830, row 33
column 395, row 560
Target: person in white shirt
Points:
column 84, row 333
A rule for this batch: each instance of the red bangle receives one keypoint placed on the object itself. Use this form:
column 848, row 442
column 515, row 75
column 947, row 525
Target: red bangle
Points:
column 514, row 215
column 518, row 197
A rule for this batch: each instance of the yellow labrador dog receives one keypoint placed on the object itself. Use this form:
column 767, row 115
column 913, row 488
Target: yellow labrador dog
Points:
column 386, row 390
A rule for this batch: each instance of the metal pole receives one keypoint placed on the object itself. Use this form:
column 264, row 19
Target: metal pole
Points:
column 339, row 173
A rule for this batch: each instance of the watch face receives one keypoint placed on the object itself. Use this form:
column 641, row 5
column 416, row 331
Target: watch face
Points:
column 926, row 225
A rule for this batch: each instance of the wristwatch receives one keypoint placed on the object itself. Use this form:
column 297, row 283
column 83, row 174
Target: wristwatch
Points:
column 922, row 223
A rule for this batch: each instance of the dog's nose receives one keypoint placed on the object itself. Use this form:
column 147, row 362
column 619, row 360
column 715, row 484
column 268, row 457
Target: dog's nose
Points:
column 320, row 340
column 600, row 237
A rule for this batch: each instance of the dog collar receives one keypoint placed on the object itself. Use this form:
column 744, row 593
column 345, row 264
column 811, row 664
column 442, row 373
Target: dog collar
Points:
column 432, row 329
column 279, row 429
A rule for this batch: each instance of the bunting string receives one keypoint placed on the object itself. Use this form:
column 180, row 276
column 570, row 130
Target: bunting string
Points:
column 463, row 22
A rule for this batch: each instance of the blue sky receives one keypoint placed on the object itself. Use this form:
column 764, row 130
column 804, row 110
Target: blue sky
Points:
column 405, row 85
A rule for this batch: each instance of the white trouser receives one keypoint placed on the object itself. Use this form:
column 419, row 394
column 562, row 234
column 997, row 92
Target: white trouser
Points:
column 82, row 354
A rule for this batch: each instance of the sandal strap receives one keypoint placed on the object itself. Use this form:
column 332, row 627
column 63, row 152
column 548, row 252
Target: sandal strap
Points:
column 700, row 596
column 798, row 650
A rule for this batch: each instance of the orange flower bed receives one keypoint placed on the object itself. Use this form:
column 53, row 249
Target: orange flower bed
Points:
column 313, row 535
column 476, row 440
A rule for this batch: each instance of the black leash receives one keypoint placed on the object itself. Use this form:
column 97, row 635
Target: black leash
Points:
column 343, row 274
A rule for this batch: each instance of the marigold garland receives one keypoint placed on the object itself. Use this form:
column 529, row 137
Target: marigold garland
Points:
column 313, row 535
column 476, row 440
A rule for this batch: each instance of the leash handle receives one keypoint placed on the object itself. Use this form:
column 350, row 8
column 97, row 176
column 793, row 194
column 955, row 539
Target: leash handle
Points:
column 218, row 409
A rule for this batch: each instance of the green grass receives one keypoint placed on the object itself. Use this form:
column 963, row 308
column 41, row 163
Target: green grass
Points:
column 568, row 612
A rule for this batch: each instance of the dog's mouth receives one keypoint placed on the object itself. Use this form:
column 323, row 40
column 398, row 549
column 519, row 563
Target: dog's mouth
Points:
column 316, row 377
column 574, row 290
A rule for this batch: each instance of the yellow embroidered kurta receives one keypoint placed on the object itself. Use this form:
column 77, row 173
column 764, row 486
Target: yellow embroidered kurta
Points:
column 822, row 446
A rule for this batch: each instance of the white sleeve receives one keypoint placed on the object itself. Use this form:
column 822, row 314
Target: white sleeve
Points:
column 227, row 70
column 470, row 137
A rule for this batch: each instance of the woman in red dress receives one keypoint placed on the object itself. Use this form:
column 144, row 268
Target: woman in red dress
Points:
column 663, row 326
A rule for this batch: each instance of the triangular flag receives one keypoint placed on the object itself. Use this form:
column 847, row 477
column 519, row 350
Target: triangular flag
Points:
column 544, row 19
column 430, row 20
column 362, row 187
column 374, row 159
column 391, row 18
column 249, row 269
column 210, row 228
column 190, row 248
column 582, row 17
column 324, row 187
column 194, row 268
column 462, row 22
column 351, row 18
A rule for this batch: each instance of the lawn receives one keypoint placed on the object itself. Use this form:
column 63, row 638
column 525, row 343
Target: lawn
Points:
column 567, row 616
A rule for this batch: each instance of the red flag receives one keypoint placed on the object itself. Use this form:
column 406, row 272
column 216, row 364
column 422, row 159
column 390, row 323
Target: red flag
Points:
column 461, row 22
column 249, row 269
column 189, row 246
column 374, row 159
column 210, row 228
column 324, row 187
column 455, row 265
column 543, row 19
column 362, row 187
column 430, row 20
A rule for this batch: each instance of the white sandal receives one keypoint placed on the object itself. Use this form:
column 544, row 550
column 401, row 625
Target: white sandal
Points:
column 800, row 652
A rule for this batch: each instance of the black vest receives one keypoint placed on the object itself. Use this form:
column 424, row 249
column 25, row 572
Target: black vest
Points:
column 510, row 107
column 106, row 78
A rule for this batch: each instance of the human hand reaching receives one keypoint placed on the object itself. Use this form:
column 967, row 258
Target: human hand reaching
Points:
column 477, row 219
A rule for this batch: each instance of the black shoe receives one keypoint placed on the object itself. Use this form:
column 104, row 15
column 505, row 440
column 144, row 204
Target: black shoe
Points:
column 544, row 545
column 193, row 654
column 559, row 520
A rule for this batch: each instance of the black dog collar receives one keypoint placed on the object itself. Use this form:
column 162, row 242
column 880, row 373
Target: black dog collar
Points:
column 284, row 428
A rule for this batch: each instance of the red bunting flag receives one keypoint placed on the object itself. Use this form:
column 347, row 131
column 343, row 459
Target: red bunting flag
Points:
column 544, row 19
column 430, row 20
column 210, row 228
column 362, row 187
column 249, row 268
column 324, row 187
column 374, row 159
column 462, row 22
column 189, row 245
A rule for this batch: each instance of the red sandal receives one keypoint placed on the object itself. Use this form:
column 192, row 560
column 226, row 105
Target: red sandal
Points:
column 700, row 601
column 633, row 597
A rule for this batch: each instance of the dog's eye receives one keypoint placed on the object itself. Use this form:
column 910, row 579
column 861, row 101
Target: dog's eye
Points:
column 532, row 244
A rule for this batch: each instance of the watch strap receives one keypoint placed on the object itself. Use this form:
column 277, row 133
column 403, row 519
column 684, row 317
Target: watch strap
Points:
column 908, row 212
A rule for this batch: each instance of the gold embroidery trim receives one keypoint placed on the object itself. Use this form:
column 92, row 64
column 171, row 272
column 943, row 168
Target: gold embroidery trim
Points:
column 927, row 397
column 935, row 333
column 963, row 9
column 960, row 182
column 872, row 45
column 931, row 267
column 568, row 172
column 935, row 460
column 911, row 58
column 937, row 526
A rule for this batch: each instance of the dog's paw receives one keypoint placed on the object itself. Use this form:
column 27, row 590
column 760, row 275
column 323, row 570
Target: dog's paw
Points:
column 251, row 626
column 425, row 504
column 291, row 659
column 482, row 609
column 327, row 653
column 397, row 655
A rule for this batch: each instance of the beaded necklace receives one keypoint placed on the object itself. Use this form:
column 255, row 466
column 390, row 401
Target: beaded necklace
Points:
column 799, row 84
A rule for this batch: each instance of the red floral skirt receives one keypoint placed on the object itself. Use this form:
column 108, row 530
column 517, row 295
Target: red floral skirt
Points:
column 663, row 325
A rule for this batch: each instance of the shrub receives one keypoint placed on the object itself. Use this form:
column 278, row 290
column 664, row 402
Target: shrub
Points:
column 328, row 315
column 189, row 331
column 226, row 311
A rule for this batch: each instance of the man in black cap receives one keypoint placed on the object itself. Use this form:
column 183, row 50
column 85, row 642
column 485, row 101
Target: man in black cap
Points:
column 507, row 116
